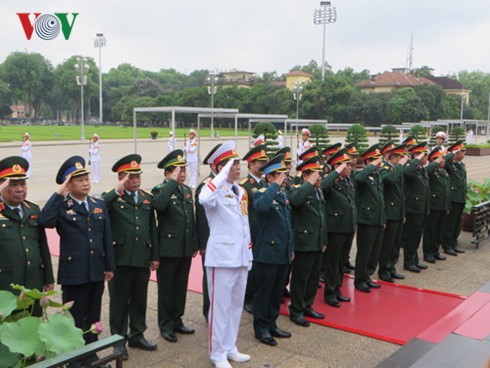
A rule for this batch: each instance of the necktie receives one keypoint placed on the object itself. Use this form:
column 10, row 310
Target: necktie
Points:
column 133, row 197
column 235, row 190
column 17, row 211
column 85, row 205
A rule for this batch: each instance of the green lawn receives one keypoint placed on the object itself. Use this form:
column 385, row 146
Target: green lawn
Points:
column 50, row 133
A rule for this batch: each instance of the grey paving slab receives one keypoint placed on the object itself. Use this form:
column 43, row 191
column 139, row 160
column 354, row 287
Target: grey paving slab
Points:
column 407, row 355
column 485, row 288
column 477, row 356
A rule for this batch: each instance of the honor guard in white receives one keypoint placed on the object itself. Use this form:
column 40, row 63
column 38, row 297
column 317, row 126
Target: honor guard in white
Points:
column 170, row 143
column 228, row 255
column 94, row 157
column 305, row 143
column 280, row 139
column 191, row 157
column 441, row 138
column 26, row 151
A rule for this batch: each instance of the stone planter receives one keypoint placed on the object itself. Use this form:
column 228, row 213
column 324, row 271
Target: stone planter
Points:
column 474, row 151
column 154, row 135
column 468, row 220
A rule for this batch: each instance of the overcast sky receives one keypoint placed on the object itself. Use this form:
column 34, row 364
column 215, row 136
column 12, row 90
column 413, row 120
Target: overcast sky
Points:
column 261, row 35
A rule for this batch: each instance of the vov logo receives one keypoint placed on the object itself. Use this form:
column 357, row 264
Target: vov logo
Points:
column 47, row 26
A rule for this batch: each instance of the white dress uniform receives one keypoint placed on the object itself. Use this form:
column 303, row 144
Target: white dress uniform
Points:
column 170, row 144
column 302, row 147
column 94, row 154
column 280, row 141
column 27, row 154
column 192, row 162
column 228, row 259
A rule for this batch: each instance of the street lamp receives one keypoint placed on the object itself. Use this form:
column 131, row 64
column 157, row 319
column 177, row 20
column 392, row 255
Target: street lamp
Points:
column 325, row 15
column 99, row 42
column 212, row 89
column 298, row 89
column 82, row 68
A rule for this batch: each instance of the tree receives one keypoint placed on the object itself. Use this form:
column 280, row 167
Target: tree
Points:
column 269, row 131
column 418, row 131
column 28, row 76
column 319, row 136
column 357, row 134
column 456, row 134
column 406, row 106
column 5, row 99
column 388, row 133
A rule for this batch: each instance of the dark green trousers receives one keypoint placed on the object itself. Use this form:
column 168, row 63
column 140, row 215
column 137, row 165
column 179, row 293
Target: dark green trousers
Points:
column 128, row 290
column 369, row 239
column 412, row 232
column 390, row 247
column 452, row 226
column 172, row 278
column 305, row 275
column 433, row 229
column 332, row 262
column 269, row 286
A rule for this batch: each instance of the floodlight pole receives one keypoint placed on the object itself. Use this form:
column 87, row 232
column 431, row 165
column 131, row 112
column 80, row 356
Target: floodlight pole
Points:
column 212, row 89
column 99, row 42
column 82, row 68
column 325, row 15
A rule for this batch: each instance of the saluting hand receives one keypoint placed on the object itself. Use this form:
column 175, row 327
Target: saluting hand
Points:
column 4, row 184
column 121, row 183
column 313, row 178
column 403, row 160
column 227, row 168
column 377, row 162
column 63, row 189
column 280, row 179
column 420, row 156
column 341, row 168
column 175, row 174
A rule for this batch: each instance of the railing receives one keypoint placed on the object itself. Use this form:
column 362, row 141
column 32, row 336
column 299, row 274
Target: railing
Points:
column 86, row 353
column 481, row 222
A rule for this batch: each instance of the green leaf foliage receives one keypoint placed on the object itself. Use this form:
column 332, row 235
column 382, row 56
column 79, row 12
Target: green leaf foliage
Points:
column 22, row 337
column 357, row 134
column 8, row 303
column 7, row 358
column 319, row 135
column 418, row 131
column 60, row 335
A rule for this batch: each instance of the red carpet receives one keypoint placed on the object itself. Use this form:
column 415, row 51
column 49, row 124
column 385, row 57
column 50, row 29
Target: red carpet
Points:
column 394, row 313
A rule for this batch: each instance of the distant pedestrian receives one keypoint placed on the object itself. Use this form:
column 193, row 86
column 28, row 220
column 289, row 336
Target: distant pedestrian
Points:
column 280, row 139
column 469, row 136
column 191, row 158
column 401, row 136
column 170, row 143
column 94, row 157
column 26, row 151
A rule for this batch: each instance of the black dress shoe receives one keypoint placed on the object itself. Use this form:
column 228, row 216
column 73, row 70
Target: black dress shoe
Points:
column 421, row 266
column 413, row 269
column 249, row 308
column 430, row 259
column 343, row 298
column 397, row 276
column 386, row 277
column 451, row 252
column 142, row 344
column 281, row 334
column 286, row 293
column 314, row 314
column 363, row 287
column 459, row 250
column 266, row 339
column 169, row 336
column 184, row 330
column 300, row 321
column 440, row 257
column 333, row 302
column 373, row 285
column 350, row 266
column 121, row 349
column 346, row 270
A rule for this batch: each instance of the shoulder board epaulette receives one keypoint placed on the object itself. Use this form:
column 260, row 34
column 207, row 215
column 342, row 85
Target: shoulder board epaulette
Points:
column 93, row 199
column 299, row 174
column 27, row 203
column 385, row 166
column 296, row 185
column 157, row 186
column 262, row 190
column 146, row 192
column 243, row 181
column 186, row 186
column 207, row 180
column 107, row 191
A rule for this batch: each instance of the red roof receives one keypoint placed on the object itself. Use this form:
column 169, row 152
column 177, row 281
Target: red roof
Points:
column 446, row 82
column 396, row 79
column 298, row 73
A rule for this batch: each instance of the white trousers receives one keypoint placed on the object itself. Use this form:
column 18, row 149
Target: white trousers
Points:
column 96, row 166
column 192, row 174
column 226, row 287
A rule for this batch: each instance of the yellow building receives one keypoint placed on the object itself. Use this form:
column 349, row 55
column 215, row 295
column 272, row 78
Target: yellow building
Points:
column 236, row 78
column 296, row 76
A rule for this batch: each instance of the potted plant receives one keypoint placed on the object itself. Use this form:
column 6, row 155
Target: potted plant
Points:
column 477, row 193
column 154, row 134
column 26, row 339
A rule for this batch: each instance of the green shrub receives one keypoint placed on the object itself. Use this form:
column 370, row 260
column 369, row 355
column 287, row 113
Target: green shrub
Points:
column 388, row 133
column 457, row 133
column 269, row 131
column 319, row 136
column 418, row 131
column 357, row 135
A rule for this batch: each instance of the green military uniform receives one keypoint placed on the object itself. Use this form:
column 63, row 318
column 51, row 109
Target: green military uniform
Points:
column 272, row 253
column 439, row 206
column 370, row 222
column 459, row 186
column 135, row 243
column 25, row 258
column 177, row 244
column 310, row 235
column 417, row 196
column 394, row 198
column 341, row 210
column 251, row 184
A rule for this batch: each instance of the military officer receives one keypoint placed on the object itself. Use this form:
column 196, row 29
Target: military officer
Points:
column 272, row 251
column 417, row 196
column 286, row 151
column 439, row 206
column 327, row 153
column 392, row 175
column 256, row 158
column 228, row 254
column 371, row 219
column 440, row 139
column 385, row 150
column 457, row 175
column 305, row 143
column 309, row 153
column 177, row 244
column 86, row 250
column 310, row 239
column 191, row 152
column 341, row 209
column 136, row 249
column 202, row 228
column 25, row 256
